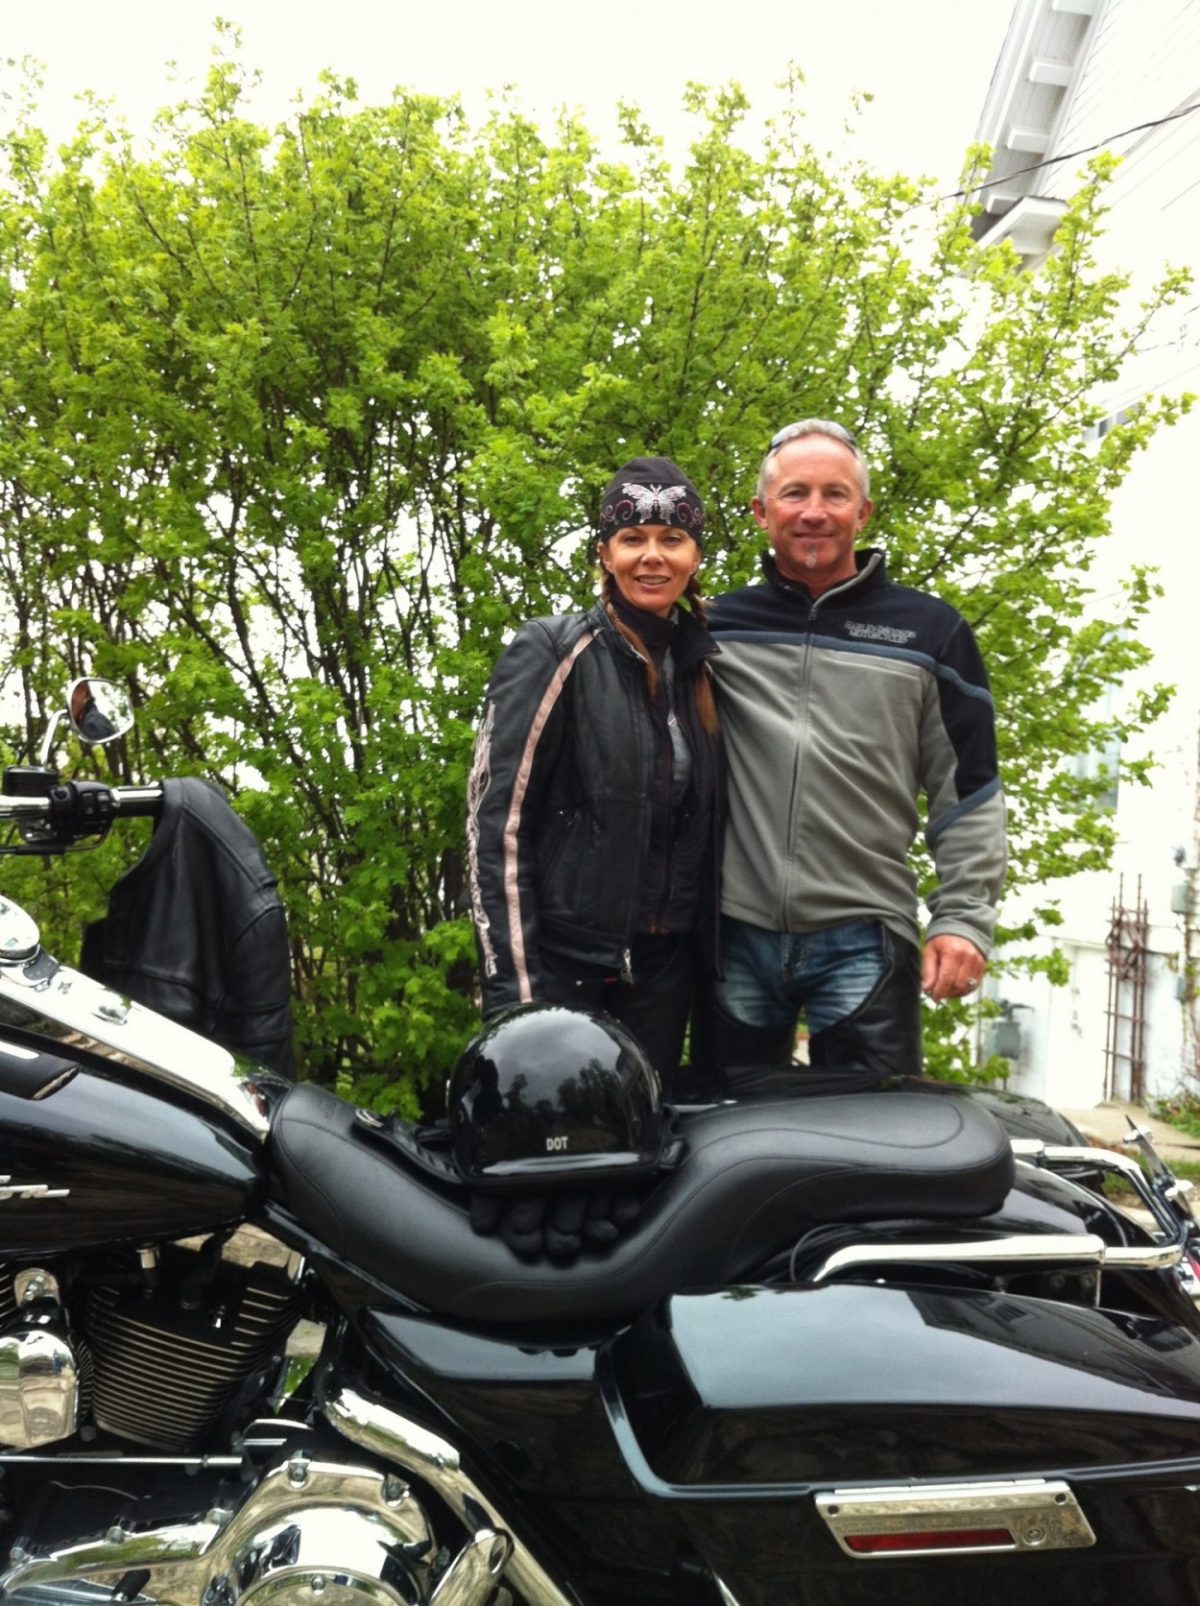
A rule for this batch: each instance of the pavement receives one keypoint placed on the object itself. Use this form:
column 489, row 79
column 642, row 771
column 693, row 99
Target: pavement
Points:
column 1107, row 1125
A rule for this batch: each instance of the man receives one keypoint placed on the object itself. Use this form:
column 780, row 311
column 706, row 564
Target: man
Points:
column 844, row 696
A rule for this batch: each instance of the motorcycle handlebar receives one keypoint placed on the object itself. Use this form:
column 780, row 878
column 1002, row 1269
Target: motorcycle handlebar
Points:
column 145, row 800
column 68, row 797
column 67, row 811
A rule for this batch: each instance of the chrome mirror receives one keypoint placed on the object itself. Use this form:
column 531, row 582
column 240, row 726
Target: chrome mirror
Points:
column 99, row 711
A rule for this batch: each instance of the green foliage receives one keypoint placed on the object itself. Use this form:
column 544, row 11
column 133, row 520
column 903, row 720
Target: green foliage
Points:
column 949, row 1031
column 1181, row 1111
column 296, row 424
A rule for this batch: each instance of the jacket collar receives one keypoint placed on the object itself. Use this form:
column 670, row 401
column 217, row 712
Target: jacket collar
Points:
column 870, row 563
column 691, row 644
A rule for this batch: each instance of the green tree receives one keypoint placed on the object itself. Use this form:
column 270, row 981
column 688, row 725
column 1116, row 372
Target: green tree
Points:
column 297, row 423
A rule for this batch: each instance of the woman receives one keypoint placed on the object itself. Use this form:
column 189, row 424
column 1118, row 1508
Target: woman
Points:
column 592, row 805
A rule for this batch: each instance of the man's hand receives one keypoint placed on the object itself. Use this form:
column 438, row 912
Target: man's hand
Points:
column 951, row 967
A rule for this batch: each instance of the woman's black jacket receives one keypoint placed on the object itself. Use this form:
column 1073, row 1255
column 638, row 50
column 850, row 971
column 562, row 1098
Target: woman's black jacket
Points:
column 558, row 820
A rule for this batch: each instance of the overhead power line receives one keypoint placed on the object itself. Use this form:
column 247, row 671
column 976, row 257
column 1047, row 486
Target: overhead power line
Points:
column 1067, row 156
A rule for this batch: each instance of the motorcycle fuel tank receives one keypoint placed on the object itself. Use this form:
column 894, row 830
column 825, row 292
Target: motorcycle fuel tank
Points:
column 86, row 1160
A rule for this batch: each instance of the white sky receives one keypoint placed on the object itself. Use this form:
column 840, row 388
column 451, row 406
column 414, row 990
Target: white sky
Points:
column 927, row 62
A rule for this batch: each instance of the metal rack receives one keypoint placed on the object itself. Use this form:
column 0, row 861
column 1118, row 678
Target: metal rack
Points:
column 1128, row 944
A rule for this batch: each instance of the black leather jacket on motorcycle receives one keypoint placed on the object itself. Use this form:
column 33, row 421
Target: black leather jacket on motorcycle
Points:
column 197, row 931
column 559, row 821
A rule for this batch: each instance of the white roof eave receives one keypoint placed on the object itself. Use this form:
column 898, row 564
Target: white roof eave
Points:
column 1030, row 225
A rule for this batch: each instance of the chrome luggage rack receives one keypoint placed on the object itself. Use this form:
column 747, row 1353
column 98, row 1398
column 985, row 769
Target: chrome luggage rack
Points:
column 1165, row 1197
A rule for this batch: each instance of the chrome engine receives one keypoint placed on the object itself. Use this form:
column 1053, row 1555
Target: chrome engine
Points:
column 165, row 1349
column 310, row 1531
column 136, row 1465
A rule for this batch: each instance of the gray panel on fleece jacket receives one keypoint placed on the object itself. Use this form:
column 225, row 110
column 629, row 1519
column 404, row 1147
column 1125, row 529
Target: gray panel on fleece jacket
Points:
column 838, row 713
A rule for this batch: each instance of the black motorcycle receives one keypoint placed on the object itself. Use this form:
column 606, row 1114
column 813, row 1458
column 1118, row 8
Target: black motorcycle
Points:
column 851, row 1350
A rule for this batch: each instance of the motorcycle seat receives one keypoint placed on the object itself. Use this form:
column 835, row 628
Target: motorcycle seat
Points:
column 752, row 1180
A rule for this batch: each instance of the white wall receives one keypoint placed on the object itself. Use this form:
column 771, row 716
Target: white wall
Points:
column 1143, row 63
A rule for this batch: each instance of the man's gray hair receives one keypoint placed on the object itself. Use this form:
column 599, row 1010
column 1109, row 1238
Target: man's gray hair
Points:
column 814, row 426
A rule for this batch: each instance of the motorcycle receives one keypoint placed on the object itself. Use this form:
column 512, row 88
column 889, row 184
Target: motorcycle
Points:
column 855, row 1349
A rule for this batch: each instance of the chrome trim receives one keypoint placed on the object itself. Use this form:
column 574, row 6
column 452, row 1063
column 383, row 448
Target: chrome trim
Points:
column 39, row 1395
column 1161, row 1258
column 24, row 808
column 290, row 1553
column 1162, row 1179
column 19, row 935
column 1040, row 1514
column 35, row 1282
column 1029, row 1249
column 1188, row 1281
column 126, row 800
column 472, row 1575
column 30, row 1190
column 185, row 1557
column 1034, row 1149
column 76, row 1012
column 375, row 1427
column 148, row 792
column 107, row 1559
column 1036, row 1152
column 47, row 747
column 1141, row 1137
column 117, row 1458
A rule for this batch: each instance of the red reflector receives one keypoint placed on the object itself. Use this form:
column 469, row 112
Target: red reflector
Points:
column 938, row 1539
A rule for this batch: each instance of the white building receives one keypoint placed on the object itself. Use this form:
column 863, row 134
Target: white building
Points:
column 1122, row 75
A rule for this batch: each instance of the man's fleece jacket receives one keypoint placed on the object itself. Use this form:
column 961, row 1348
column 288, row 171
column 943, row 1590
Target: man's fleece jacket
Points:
column 838, row 712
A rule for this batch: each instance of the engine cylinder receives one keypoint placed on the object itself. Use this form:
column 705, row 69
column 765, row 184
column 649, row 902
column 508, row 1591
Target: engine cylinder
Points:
column 170, row 1369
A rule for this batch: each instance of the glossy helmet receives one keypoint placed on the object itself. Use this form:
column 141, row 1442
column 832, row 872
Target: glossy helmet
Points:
column 552, row 1097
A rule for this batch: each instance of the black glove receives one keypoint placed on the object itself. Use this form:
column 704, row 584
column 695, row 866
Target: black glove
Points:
column 610, row 1214
column 564, row 1224
column 556, row 1225
column 518, row 1221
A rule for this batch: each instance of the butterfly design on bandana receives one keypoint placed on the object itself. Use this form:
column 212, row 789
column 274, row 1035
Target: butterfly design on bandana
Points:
column 657, row 504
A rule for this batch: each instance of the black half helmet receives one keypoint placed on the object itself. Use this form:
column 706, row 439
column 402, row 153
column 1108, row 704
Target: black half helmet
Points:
column 552, row 1097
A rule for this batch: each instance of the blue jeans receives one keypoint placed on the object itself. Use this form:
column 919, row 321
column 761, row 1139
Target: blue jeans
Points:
column 770, row 977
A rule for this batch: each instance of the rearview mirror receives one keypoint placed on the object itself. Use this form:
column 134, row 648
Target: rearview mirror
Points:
column 99, row 711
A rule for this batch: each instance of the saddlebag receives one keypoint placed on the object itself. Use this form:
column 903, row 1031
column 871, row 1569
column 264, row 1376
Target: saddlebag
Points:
column 1057, row 1445
column 763, row 1386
